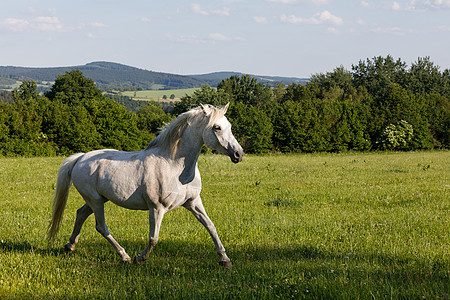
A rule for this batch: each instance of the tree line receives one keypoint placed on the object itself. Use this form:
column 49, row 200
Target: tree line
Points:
column 379, row 104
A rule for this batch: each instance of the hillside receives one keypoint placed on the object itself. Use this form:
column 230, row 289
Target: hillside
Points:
column 112, row 76
column 213, row 79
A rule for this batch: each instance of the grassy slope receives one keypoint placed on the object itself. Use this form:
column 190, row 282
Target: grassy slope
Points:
column 319, row 226
column 158, row 94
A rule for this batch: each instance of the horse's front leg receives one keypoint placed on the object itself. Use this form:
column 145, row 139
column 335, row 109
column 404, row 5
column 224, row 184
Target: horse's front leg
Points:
column 100, row 225
column 196, row 207
column 155, row 219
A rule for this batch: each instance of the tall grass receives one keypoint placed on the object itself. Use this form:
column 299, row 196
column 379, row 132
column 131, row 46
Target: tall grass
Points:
column 343, row 226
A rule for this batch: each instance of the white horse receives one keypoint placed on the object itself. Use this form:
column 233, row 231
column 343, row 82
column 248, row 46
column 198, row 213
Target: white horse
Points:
column 160, row 178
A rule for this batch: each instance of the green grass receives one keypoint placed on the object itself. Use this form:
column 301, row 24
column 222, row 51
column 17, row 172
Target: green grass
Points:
column 344, row 226
column 158, row 94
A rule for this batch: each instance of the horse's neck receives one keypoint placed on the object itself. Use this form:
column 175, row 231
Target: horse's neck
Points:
column 189, row 149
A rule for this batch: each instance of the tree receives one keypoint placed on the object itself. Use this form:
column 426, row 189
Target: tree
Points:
column 204, row 95
column 151, row 117
column 251, row 127
column 378, row 74
column 247, row 90
column 117, row 128
column 73, row 88
column 425, row 77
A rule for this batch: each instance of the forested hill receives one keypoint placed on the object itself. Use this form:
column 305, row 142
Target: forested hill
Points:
column 112, row 76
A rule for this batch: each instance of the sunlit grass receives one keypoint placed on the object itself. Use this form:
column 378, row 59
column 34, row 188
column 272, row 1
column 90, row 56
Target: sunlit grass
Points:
column 295, row 226
column 158, row 94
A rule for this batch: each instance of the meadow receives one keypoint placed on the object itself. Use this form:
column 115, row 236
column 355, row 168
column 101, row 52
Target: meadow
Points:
column 157, row 95
column 339, row 226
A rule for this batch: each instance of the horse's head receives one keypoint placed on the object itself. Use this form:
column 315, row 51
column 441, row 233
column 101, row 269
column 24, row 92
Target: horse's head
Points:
column 218, row 135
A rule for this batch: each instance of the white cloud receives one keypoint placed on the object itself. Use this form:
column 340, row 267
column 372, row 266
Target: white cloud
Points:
column 365, row 4
column 333, row 30
column 198, row 9
column 16, row 25
column 283, row 1
column 146, row 20
column 438, row 3
column 46, row 24
column 188, row 39
column 320, row 18
column 392, row 30
column 408, row 6
column 221, row 12
column 360, row 21
column 395, row 6
column 36, row 24
column 326, row 16
column 291, row 19
column 212, row 38
column 39, row 11
column 98, row 25
column 412, row 5
column 314, row 2
column 219, row 37
column 261, row 20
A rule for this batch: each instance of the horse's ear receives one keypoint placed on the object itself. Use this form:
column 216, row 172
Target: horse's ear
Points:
column 205, row 109
column 225, row 108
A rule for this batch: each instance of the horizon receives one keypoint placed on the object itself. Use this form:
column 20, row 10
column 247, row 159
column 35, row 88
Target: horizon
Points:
column 287, row 38
column 139, row 68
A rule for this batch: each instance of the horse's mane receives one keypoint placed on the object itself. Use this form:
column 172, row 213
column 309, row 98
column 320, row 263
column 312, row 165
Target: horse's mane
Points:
column 170, row 135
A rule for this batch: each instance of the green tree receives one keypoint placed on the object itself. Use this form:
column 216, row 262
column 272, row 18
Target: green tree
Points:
column 21, row 123
column 115, row 126
column 204, row 95
column 425, row 78
column 247, row 90
column 151, row 117
column 73, row 88
column 251, row 127
column 378, row 74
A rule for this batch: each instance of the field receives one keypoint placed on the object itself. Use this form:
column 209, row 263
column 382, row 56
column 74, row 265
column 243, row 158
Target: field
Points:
column 339, row 226
column 157, row 95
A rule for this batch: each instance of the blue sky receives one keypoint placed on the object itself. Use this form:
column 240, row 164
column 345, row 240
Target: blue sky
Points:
column 267, row 37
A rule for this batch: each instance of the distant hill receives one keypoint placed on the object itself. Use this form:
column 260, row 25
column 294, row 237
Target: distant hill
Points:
column 113, row 76
column 213, row 79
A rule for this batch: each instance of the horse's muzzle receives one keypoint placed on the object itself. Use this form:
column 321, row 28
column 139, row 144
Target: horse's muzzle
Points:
column 235, row 155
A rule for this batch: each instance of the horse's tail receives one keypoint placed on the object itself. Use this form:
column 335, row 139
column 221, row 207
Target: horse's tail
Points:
column 62, row 192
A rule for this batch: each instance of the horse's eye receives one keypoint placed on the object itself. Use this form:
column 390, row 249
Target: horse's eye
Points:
column 217, row 128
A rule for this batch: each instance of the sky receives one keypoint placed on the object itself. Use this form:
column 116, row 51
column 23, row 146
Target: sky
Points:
column 295, row 38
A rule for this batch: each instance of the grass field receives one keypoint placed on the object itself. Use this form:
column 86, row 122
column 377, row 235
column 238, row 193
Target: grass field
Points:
column 157, row 95
column 339, row 226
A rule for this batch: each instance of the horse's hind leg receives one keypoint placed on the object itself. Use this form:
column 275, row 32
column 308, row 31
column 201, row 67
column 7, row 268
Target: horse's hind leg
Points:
column 82, row 214
column 100, row 225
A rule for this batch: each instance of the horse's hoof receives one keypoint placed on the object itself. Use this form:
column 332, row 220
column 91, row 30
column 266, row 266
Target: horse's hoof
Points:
column 69, row 248
column 138, row 259
column 226, row 264
column 126, row 260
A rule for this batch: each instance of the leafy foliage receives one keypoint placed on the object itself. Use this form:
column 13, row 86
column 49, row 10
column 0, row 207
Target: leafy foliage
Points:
column 397, row 136
column 73, row 116
column 379, row 104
